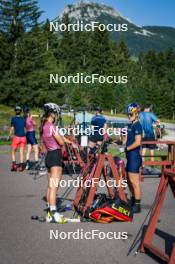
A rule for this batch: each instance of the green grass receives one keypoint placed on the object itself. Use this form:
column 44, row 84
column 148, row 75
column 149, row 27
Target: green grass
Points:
column 3, row 143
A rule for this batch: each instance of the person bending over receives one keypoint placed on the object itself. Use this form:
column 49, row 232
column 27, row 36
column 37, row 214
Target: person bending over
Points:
column 19, row 138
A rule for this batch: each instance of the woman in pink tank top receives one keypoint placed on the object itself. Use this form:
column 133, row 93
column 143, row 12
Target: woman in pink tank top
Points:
column 53, row 142
column 30, row 136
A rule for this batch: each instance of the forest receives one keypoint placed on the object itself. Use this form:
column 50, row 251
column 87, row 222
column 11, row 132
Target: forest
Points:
column 30, row 52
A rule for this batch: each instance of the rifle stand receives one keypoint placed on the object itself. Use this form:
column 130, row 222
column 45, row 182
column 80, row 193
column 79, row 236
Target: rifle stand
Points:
column 100, row 169
column 167, row 179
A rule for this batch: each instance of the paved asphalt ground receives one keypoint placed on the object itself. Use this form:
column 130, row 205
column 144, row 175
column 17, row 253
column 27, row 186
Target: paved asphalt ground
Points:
column 24, row 241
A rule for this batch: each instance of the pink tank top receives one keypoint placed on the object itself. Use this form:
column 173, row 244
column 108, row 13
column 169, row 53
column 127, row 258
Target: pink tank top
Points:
column 49, row 130
column 29, row 124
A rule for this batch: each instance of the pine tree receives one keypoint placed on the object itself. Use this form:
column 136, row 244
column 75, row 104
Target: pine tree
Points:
column 101, row 54
column 64, row 51
column 170, row 58
column 5, row 54
column 17, row 16
column 150, row 62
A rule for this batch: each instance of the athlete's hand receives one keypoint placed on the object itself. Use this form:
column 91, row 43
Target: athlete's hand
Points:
column 8, row 138
column 74, row 145
column 122, row 149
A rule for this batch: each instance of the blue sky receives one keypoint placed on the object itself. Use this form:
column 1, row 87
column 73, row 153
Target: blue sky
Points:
column 141, row 12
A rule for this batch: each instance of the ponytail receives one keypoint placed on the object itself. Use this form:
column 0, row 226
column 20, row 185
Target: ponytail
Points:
column 43, row 121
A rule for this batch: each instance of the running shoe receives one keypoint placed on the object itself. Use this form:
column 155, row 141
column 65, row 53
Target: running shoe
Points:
column 21, row 168
column 154, row 171
column 136, row 208
column 55, row 217
column 13, row 167
column 131, row 202
column 27, row 165
column 145, row 171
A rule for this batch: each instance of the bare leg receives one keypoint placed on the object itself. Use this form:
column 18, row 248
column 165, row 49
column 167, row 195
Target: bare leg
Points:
column 130, row 186
column 135, row 182
column 143, row 153
column 152, row 154
column 29, row 149
column 21, row 152
column 55, row 177
column 48, row 187
column 35, row 147
column 13, row 155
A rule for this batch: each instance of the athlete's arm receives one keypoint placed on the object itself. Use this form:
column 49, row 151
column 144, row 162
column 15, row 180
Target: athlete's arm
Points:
column 34, row 115
column 136, row 143
column 33, row 121
column 59, row 139
column 155, row 119
column 10, row 132
column 66, row 140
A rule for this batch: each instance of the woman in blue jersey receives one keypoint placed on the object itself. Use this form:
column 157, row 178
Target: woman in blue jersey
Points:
column 133, row 155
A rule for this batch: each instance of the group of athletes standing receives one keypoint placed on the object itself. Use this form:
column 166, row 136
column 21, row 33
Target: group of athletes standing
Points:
column 140, row 128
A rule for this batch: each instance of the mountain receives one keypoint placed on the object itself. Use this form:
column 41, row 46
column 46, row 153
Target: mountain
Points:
column 139, row 39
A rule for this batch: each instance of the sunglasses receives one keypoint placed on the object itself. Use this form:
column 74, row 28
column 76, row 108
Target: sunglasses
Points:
column 130, row 115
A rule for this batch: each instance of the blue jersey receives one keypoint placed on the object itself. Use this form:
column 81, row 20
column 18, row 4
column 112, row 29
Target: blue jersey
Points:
column 134, row 129
column 18, row 122
column 147, row 119
column 98, row 121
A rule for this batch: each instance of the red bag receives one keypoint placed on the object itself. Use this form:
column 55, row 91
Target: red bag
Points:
column 116, row 211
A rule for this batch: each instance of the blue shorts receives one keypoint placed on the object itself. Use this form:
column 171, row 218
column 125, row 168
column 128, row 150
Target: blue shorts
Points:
column 96, row 137
column 31, row 138
column 134, row 162
column 149, row 146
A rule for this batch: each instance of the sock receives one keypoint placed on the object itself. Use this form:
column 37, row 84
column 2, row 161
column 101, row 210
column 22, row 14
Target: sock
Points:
column 132, row 199
column 53, row 208
column 137, row 202
column 57, row 216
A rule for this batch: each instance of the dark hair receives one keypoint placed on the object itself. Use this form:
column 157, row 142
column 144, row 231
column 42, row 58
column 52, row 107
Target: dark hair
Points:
column 26, row 109
column 98, row 109
column 44, row 119
column 26, row 115
column 148, row 106
column 42, row 122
